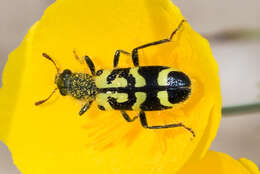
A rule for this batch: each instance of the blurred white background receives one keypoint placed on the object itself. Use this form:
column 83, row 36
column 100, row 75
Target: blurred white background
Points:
column 239, row 62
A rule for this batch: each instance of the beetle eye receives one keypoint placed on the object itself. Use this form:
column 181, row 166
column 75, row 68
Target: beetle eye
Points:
column 63, row 91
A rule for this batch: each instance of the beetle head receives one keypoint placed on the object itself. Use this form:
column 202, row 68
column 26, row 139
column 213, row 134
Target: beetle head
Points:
column 63, row 81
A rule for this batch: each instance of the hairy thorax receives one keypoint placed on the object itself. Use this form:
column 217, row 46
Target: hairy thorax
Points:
column 82, row 86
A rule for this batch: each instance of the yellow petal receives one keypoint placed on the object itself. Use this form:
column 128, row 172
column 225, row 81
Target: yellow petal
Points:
column 220, row 163
column 12, row 79
column 249, row 165
column 52, row 138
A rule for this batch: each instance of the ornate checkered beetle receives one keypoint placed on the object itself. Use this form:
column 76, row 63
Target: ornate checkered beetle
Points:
column 142, row 88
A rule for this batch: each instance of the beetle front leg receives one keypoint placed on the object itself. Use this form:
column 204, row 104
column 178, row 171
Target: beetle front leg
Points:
column 89, row 62
column 85, row 108
column 90, row 65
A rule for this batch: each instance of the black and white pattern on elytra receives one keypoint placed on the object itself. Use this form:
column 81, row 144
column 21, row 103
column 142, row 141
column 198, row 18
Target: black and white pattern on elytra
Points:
column 127, row 105
column 177, row 88
column 151, row 88
column 150, row 74
column 121, row 73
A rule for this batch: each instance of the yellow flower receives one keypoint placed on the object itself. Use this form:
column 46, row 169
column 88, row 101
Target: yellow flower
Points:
column 219, row 163
column 52, row 138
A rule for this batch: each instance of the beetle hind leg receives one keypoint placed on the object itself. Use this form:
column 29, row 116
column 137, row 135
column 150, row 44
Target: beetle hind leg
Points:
column 135, row 56
column 145, row 124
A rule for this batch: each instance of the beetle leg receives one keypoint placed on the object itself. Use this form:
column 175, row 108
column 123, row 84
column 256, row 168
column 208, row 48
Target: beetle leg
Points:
column 135, row 56
column 76, row 56
column 90, row 65
column 85, row 108
column 145, row 124
column 87, row 60
column 117, row 55
column 127, row 117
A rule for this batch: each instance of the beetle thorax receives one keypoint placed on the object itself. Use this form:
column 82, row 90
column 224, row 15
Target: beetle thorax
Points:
column 82, row 86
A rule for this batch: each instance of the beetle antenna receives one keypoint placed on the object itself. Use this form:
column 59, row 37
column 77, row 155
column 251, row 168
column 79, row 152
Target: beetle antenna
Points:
column 48, row 57
column 42, row 101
